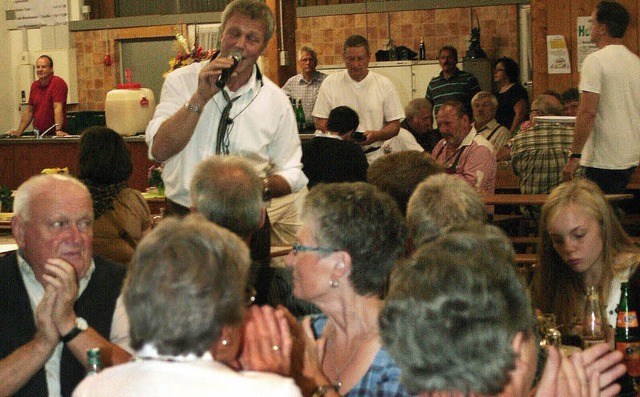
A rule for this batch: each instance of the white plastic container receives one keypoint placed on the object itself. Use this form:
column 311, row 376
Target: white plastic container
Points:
column 129, row 110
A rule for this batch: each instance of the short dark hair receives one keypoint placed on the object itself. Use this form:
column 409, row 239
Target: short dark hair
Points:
column 572, row 94
column 511, row 68
column 451, row 49
column 356, row 41
column 363, row 221
column 459, row 107
column 399, row 173
column 342, row 119
column 104, row 158
column 47, row 57
column 614, row 16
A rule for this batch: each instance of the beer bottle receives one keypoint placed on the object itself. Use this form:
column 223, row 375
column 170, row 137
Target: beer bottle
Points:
column 94, row 361
column 300, row 117
column 592, row 325
column 628, row 341
column 423, row 51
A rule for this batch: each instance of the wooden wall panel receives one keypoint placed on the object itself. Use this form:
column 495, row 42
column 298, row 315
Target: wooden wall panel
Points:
column 271, row 59
column 560, row 17
column 560, row 22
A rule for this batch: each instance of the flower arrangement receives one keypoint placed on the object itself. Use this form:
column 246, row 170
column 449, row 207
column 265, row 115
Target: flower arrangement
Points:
column 154, row 176
column 188, row 53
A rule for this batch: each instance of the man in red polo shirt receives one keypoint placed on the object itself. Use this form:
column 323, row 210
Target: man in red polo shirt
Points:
column 47, row 101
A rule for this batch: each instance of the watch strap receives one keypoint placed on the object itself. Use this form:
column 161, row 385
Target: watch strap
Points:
column 80, row 325
column 70, row 335
column 575, row 155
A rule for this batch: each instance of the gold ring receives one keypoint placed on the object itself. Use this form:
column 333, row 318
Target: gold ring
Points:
column 275, row 348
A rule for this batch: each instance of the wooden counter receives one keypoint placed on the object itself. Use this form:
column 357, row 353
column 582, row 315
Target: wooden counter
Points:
column 518, row 199
column 21, row 158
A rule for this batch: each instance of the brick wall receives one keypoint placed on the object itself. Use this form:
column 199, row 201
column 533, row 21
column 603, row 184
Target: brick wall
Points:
column 499, row 37
column 94, row 78
column 499, row 31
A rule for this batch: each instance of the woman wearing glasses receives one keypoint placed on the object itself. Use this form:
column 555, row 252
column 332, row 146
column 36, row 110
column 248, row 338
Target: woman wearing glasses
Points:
column 513, row 101
column 350, row 238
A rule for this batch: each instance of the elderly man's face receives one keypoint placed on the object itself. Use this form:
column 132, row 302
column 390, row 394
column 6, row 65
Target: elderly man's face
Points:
column 307, row 63
column 483, row 111
column 453, row 128
column 60, row 226
column 422, row 122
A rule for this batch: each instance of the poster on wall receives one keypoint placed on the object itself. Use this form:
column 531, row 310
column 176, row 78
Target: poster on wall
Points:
column 585, row 46
column 557, row 55
column 34, row 13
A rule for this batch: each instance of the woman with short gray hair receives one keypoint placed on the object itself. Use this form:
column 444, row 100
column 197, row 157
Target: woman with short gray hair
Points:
column 458, row 321
column 184, row 296
column 350, row 238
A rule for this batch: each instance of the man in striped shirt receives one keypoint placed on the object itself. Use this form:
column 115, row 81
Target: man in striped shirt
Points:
column 452, row 84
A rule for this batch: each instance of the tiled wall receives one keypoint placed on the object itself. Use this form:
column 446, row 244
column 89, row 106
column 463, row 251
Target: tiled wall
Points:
column 94, row 78
column 499, row 37
column 498, row 24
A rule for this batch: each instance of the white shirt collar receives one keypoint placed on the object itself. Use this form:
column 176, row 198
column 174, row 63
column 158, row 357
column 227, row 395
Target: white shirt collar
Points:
column 150, row 352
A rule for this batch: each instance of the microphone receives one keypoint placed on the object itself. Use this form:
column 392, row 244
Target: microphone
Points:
column 226, row 73
column 47, row 130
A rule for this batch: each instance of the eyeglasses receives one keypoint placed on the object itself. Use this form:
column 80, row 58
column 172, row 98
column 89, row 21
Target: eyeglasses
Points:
column 304, row 248
column 499, row 69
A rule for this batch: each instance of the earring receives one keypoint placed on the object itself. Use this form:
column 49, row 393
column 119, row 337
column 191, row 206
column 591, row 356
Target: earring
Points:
column 334, row 283
column 224, row 342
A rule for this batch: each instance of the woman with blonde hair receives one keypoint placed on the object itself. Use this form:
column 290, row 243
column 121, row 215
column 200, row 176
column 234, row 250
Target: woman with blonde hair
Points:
column 583, row 245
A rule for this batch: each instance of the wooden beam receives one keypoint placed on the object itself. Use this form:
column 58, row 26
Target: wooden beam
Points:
column 284, row 33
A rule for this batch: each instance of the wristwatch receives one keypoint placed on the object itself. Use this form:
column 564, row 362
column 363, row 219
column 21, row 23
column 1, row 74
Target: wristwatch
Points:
column 81, row 325
column 575, row 155
column 192, row 108
column 266, row 190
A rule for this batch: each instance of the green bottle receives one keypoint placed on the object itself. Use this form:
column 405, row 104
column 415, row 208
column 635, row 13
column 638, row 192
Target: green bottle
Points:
column 300, row 117
column 628, row 341
column 94, row 361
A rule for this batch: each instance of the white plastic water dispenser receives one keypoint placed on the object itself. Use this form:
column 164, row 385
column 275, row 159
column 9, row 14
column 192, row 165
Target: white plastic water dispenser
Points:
column 129, row 108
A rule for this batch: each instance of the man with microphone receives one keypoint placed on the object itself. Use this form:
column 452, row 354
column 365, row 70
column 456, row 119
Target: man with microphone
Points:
column 186, row 127
column 250, row 116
